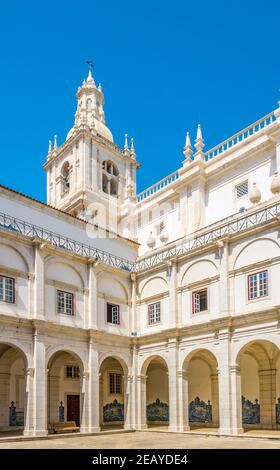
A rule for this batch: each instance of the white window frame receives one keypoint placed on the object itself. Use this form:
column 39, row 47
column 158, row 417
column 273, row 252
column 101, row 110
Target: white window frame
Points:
column 257, row 285
column 115, row 314
column 65, row 296
column 196, row 303
column 8, row 289
column 154, row 313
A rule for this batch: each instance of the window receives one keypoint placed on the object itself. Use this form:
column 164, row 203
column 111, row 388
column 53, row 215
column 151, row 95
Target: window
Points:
column 110, row 178
column 242, row 189
column 199, row 301
column 72, row 372
column 113, row 314
column 65, row 302
column 257, row 285
column 154, row 313
column 7, row 289
column 115, row 383
column 65, row 178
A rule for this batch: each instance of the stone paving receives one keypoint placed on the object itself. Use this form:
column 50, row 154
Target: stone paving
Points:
column 145, row 440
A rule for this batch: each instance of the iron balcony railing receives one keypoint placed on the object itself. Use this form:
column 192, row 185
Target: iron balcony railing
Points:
column 199, row 239
column 205, row 237
column 33, row 231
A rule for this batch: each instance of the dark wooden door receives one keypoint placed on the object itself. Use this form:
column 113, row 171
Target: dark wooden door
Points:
column 73, row 408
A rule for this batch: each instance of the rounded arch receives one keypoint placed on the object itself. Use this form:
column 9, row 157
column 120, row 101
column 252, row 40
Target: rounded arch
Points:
column 148, row 360
column 106, row 283
column 157, row 285
column 10, row 352
column 59, row 272
column 53, row 352
column 198, row 270
column 121, row 358
column 203, row 354
column 110, row 167
column 13, row 258
column 254, row 250
column 264, row 351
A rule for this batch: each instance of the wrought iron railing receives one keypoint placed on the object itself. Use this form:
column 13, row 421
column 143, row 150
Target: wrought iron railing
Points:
column 195, row 241
column 33, row 231
column 206, row 236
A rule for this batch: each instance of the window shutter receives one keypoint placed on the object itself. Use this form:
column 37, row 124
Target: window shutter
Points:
column 109, row 313
column 119, row 314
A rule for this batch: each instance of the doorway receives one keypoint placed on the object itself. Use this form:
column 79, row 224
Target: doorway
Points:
column 73, row 408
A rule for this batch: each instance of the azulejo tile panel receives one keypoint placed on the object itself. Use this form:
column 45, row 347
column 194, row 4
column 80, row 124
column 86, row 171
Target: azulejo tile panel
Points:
column 113, row 412
column 158, row 411
column 200, row 411
column 250, row 411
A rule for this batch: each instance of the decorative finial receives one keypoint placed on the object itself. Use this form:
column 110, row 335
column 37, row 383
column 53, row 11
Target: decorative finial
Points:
column 50, row 147
column 55, row 142
column 99, row 87
column 132, row 150
column 125, row 141
column 188, row 146
column 126, row 149
column 199, row 142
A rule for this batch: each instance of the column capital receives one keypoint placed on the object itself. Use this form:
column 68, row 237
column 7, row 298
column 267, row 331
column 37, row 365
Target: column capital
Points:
column 141, row 378
column 235, row 369
column 30, row 371
column 182, row 374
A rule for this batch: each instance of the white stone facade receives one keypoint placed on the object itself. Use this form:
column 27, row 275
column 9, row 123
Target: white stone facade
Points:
column 173, row 296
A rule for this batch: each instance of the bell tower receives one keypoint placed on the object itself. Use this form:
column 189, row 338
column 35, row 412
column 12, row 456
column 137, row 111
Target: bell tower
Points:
column 90, row 176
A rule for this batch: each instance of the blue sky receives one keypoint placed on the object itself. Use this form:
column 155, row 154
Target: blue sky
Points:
column 165, row 66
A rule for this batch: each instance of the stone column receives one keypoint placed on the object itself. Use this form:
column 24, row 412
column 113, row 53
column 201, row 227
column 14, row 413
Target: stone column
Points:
column 53, row 398
column 142, row 402
column 39, row 282
column 172, row 275
column 173, row 385
column 28, row 402
column 183, row 401
column 133, row 320
column 4, row 398
column 38, row 395
column 127, row 385
column 215, row 399
column 224, row 384
column 93, row 297
column 267, row 381
column 134, row 402
column 236, row 404
column 91, row 417
column 223, row 250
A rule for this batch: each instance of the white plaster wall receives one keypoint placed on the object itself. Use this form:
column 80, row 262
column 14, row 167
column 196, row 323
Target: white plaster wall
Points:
column 157, row 384
column 199, row 380
column 220, row 198
column 249, row 378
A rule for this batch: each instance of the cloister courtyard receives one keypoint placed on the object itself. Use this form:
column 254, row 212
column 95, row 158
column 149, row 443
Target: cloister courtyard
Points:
column 158, row 439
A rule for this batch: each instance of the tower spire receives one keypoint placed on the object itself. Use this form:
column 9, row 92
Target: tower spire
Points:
column 90, row 80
